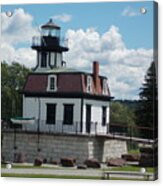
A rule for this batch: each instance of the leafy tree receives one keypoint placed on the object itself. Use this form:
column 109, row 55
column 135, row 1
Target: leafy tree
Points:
column 147, row 113
column 12, row 81
column 123, row 117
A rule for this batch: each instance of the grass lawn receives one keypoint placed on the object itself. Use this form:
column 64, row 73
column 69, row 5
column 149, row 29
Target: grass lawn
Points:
column 131, row 168
column 63, row 177
column 134, row 151
column 30, row 166
column 47, row 176
column 125, row 168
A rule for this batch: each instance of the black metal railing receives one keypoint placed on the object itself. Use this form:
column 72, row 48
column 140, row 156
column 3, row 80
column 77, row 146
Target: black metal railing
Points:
column 39, row 41
column 133, row 131
column 41, row 126
column 95, row 128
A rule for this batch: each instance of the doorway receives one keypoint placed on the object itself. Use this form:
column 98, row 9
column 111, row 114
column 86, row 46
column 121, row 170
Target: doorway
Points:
column 88, row 118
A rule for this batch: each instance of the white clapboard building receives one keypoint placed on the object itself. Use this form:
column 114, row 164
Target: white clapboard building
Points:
column 60, row 99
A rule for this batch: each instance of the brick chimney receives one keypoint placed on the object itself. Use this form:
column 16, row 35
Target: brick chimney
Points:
column 96, row 76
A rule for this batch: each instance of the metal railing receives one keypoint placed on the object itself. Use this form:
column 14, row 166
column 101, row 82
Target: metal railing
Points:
column 41, row 126
column 39, row 40
column 112, row 129
column 133, row 131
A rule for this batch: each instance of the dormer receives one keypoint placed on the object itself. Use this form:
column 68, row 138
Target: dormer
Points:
column 89, row 84
column 52, row 83
column 104, row 87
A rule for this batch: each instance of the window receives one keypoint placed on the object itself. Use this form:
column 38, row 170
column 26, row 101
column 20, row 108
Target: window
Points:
column 52, row 83
column 59, row 59
column 105, row 87
column 50, row 113
column 68, row 114
column 104, row 116
column 89, row 84
column 43, row 60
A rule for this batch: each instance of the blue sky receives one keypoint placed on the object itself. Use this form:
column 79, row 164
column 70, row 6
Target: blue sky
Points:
column 136, row 31
column 114, row 33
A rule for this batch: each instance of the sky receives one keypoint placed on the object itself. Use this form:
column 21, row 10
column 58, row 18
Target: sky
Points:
column 116, row 34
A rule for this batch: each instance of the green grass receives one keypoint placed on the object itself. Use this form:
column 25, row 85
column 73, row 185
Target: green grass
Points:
column 134, row 151
column 63, row 177
column 125, row 168
column 29, row 167
column 48, row 176
column 131, row 168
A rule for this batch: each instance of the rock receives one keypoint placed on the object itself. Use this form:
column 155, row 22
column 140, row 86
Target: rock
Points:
column 19, row 157
column 38, row 162
column 116, row 162
column 92, row 163
column 54, row 162
column 44, row 160
column 68, row 162
column 131, row 157
column 81, row 166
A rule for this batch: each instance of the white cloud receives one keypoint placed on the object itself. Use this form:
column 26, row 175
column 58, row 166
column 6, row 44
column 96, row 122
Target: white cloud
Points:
column 17, row 31
column 125, row 68
column 18, row 28
column 63, row 17
column 24, row 56
column 130, row 12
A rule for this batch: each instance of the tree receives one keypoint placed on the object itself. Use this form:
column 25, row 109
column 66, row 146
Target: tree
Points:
column 147, row 113
column 123, row 117
column 12, row 81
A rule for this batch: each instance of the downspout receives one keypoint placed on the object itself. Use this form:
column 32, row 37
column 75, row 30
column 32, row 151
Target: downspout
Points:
column 81, row 116
column 38, row 126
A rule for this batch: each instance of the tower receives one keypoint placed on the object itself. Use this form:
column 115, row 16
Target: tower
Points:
column 49, row 47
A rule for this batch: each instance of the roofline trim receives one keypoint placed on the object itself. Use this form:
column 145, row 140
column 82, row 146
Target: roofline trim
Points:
column 68, row 95
column 77, row 72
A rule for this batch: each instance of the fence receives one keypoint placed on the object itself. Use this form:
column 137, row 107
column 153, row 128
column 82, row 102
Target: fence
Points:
column 59, row 127
column 40, row 126
column 133, row 131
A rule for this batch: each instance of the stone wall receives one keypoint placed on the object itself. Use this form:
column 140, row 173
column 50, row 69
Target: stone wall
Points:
column 53, row 147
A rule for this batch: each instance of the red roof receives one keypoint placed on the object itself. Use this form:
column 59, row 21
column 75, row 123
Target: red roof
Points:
column 36, row 83
column 66, row 82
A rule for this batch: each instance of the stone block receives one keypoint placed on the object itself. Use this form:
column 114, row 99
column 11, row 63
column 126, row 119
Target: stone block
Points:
column 118, row 162
column 131, row 157
column 68, row 162
column 92, row 163
column 38, row 162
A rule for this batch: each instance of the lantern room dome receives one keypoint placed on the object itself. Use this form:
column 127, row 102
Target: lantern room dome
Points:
column 50, row 25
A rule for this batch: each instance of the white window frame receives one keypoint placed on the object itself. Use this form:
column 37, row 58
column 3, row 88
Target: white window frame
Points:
column 105, row 87
column 89, row 84
column 49, row 83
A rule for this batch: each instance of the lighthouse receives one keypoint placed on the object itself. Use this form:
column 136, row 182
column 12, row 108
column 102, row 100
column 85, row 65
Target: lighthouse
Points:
column 62, row 99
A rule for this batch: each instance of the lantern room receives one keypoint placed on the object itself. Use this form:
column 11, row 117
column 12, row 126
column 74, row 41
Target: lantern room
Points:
column 50, row 29
column 49, row 47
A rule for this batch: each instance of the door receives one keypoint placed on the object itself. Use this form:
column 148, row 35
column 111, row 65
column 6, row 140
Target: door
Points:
column 88, row 118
